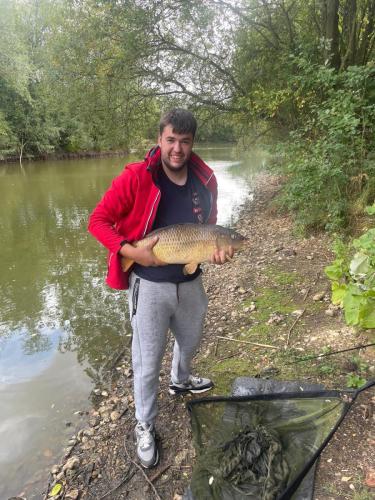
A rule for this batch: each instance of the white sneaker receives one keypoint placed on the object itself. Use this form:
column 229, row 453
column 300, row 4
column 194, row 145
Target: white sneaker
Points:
column 147, row 449
column 195, row 385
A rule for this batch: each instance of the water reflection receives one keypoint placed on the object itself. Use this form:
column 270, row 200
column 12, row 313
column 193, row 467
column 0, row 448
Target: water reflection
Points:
column 21, row 345
column 32, row 429
column 59, row 323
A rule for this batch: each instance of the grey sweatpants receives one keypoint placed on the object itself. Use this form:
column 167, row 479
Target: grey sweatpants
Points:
column 154, row 308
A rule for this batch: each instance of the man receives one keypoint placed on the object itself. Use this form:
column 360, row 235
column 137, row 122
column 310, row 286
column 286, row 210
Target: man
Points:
column 172, row 185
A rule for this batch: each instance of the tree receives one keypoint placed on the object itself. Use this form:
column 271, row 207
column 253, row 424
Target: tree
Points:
column 26, row 124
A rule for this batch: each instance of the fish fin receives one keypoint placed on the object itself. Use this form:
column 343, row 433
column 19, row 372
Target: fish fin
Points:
column 126, row 263
column 190, row 268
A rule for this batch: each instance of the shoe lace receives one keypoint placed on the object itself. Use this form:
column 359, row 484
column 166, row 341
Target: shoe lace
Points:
column 194, row 379
column 145, row 436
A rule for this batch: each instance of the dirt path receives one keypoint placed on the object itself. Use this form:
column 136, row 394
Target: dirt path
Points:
column 273, row 293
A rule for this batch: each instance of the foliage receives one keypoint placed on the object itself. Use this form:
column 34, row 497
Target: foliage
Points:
column 330, row 157
column 356, row 378
column 91, row 75
column 326, row 369
column 72, row 84
column 355, row 381
column 96, row 75
column 353, row 280
column 359, row 363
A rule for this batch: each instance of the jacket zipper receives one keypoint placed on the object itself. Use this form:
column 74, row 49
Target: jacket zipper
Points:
column 209, row 213
column 211, row 196
column 149, row 217
column 204, row 184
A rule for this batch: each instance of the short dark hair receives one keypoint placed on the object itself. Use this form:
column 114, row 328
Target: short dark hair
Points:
column 182, row 121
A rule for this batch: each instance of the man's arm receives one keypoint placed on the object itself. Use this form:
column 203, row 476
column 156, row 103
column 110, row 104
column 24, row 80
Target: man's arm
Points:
column 116, row 202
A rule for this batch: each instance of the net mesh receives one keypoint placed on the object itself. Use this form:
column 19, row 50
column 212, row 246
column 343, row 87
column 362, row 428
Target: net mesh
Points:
column 255, row 448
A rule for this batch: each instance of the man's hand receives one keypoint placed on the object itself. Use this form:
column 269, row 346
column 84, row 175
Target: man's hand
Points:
column 222, row 256
column 143, row 256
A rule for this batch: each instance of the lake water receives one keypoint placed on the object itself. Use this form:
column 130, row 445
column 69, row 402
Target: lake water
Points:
column 59, row 323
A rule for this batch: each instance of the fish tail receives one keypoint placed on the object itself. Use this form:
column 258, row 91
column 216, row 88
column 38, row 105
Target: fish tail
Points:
column 126, row 263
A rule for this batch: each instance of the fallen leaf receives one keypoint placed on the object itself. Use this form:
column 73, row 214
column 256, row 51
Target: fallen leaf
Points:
column 55, row 490
column 346, row 478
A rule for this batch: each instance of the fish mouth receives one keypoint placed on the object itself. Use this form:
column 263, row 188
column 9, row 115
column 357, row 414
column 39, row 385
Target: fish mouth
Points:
column 239, row 237
column 240, row 243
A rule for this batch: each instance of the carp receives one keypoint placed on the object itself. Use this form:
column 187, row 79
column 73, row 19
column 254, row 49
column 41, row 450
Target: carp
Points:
column 188, row 244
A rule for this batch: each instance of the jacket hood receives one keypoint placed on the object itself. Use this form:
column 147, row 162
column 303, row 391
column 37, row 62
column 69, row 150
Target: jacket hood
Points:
column 153, row 158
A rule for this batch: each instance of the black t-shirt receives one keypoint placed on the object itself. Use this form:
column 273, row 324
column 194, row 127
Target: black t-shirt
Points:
column 175, row 207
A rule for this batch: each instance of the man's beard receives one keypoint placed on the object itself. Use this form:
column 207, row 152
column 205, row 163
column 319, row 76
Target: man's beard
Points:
column 168, row 165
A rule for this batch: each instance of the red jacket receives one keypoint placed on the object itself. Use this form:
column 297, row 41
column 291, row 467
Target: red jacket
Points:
column 127, row 210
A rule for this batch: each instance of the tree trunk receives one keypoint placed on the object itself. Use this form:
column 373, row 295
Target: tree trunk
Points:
column 21, row 152
column 367, row 37
column 350, row 30
column 331, row 16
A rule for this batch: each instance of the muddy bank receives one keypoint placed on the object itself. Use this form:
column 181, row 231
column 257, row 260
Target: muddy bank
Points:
column 267, row 308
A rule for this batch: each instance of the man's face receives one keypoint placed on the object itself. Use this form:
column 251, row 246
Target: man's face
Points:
column 175, row 148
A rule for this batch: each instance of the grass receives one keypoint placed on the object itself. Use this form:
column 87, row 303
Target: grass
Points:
column 224, row 372
column 363, row 495
column 271, row 299
column 280, row 277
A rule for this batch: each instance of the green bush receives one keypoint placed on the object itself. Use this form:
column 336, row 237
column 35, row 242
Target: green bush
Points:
column 353, row 278
column 330, row 156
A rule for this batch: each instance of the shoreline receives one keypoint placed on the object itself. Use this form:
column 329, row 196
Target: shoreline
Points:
column 256, row 298
column 64, row 156
column 90, row 154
